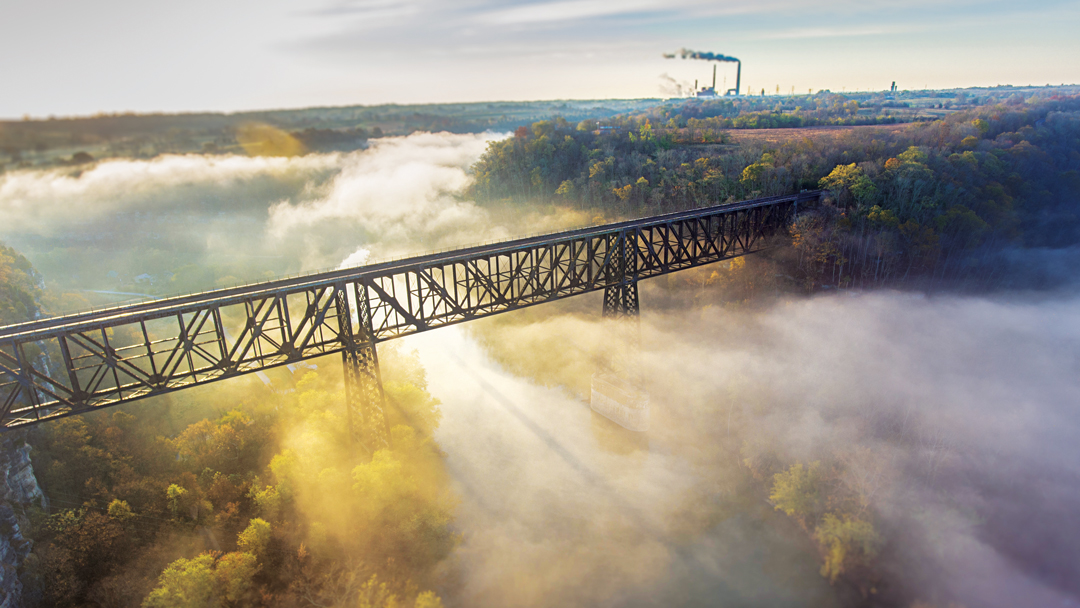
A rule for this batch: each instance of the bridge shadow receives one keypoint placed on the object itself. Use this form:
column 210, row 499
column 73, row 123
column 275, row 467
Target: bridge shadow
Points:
column 614, row 439
column 553, row 443
column 643, row 527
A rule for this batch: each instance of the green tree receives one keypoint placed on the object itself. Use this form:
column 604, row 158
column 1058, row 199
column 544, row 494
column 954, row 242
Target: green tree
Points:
column 255, row 537
column 19, row 293
column 850, row 184
column 185, row 583
column 645, row 131
column 268, row 500
column 175, row 495
column 233, row 576
column 846, row 541
column 882, row 218
column 428, row 599
column 120, row 510
column 229, row 444
column 797, row 491
column 208, row 580
column 913, row 155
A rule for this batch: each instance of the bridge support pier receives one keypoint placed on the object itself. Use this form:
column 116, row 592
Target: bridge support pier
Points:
column 365, row 402
column 615, row 391
column 621, row 305
column 623, row 316
column 621, row 301
column 621, row 293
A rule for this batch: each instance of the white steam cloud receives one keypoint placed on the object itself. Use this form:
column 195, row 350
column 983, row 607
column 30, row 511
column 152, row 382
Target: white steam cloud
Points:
column 44, row 201
column 356, row 258
column 400, row 196
column 402, row 192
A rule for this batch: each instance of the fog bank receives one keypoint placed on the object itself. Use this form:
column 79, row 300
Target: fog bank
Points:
column 99, row 226
column 954, row 416
column 560, row 507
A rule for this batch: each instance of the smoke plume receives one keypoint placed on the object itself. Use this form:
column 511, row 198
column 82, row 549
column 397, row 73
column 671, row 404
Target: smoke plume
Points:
column 704, row 55
column 671, row 87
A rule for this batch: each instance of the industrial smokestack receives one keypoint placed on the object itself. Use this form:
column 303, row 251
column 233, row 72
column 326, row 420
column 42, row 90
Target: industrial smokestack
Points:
column 707, row 56
column 738, row 79
column 714, row 78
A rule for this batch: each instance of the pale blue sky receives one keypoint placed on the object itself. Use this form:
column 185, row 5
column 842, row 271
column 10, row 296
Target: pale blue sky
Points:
column 66, row 57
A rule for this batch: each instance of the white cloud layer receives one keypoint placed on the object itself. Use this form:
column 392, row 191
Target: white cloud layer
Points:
column 403, row 193
column 43, row 201
column 956, row 415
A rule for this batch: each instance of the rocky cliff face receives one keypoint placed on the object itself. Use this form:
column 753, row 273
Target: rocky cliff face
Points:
column 20, row 292
column 19, row 490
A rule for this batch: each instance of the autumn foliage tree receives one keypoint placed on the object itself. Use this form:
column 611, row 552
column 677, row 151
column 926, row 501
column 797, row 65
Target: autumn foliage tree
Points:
column 264, row 503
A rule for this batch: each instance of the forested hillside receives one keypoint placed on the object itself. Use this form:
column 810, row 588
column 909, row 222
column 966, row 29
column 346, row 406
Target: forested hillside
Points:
column 930, row 199
column 933, row 203
column 246, row 494
column 19, row 287
column 260, row 492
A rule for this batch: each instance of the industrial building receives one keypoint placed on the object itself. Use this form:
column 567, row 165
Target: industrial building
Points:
column 707, row 56
column 711, row 91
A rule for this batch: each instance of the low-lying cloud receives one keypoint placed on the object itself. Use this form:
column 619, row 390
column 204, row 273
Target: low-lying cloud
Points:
column 953, row 416
column 963, row 407
column 400, row 196
column 46, row 201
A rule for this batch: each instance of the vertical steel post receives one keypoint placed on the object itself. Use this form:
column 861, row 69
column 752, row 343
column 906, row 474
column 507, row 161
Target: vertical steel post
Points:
column 364, row 397
column 621, row 293
column 621, row 305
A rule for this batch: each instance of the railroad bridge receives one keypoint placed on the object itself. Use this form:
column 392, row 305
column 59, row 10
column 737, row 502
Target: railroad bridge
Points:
column 78, row 363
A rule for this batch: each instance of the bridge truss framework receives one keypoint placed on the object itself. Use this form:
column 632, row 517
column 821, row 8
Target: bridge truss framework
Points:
column 78, row 363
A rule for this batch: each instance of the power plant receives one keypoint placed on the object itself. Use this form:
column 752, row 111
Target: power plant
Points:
column 707, row 56
column 711, row 91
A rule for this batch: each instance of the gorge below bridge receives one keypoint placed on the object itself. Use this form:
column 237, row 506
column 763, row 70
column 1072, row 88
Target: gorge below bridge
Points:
column 79, row 363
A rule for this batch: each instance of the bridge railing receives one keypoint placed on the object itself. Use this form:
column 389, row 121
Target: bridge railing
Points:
column 81, row 362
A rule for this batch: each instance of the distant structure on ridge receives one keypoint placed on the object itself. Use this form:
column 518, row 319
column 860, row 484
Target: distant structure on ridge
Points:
column 707, row 56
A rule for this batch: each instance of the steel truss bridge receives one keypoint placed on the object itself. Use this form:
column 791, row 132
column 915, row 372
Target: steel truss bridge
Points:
column 78, row 363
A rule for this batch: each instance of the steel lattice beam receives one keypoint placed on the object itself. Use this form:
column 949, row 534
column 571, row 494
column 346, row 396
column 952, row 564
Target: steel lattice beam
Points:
column 83, row 362
column 621, row 293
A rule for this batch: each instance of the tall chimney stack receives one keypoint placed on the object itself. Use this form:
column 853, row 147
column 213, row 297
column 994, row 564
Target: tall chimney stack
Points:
column 714, row 78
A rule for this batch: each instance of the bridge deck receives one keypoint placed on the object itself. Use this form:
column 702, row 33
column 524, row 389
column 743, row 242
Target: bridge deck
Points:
column 81, row 362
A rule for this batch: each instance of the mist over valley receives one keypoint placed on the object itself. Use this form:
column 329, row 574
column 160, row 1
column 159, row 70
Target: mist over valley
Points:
column 736, row 345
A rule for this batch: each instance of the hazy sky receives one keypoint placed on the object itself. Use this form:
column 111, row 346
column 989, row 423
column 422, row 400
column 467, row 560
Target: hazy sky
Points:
column 66, row 57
